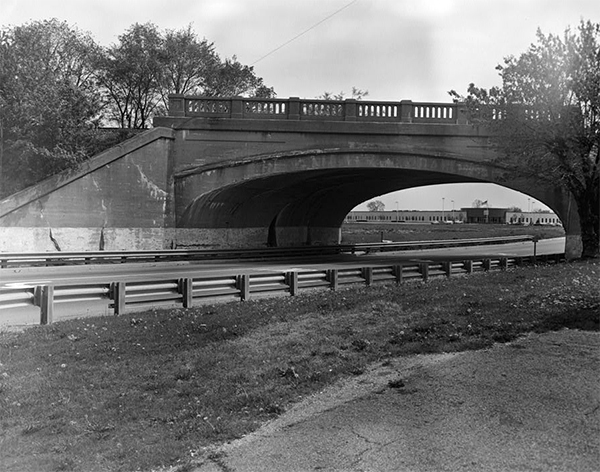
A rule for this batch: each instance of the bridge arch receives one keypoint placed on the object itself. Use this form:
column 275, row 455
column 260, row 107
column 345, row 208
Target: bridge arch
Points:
column 302, row 198
column 238, row 172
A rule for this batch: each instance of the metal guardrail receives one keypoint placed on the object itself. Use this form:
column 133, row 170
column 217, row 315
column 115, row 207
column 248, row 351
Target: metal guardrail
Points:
column 188, row 291
column 47, row 259
column 435, row 244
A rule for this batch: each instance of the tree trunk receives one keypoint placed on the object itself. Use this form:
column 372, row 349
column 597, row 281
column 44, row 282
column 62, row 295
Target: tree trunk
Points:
column 588, row 204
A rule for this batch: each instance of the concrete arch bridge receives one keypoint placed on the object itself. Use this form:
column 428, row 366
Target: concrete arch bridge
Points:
column 238, row 172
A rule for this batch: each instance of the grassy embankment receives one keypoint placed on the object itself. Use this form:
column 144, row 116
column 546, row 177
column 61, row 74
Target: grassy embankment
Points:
column 372, row 233
column 143, row 391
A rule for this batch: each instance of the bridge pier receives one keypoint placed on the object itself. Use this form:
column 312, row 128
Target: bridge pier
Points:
column 229, row 238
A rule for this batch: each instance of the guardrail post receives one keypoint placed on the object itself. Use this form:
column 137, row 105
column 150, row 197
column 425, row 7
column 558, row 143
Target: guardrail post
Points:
column 47, row 304
column 468, row 266
column 424, row 267
column 332, row 277
column 367, row 273
column 448, row 268
column 291, row 279
column 487, row 263
column 503, row 263
column 118, row 291
column 397, row 271
column 186, row 290
column 243, row 285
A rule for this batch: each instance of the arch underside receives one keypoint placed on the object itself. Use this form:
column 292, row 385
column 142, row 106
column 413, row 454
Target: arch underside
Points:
column 306, row 204
column 311, row 198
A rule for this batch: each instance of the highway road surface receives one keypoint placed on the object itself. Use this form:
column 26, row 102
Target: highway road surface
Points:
column 72, row 275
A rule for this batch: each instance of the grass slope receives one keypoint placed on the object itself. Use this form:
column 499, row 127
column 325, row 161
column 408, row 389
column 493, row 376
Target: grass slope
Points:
column 144, row 391
column 399, row 232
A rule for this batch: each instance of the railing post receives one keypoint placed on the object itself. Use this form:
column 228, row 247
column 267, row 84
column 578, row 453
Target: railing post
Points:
column 186, row 289
column 468, row 266
column 406, row 110
column 503, row 263
column 294, row 108
column 462, row 115
column 350, row 109
column 47, row 304
column 448, row 268
column 237, row 107
column 118, row 291
column 332, row 277
column 487, row 263
column 367, row 273
column 243, row 285
column 176, row 105
column 292, row 282
column 424, row 266
column 397, row 271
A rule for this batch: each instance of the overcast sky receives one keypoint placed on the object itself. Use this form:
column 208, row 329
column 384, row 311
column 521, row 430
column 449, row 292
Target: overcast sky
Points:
column 394, row 49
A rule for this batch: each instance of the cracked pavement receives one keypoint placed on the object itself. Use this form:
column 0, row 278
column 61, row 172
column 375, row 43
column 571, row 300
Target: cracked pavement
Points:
column 532, row 404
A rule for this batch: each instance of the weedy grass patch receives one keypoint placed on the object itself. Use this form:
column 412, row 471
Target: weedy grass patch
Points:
column 150, row 390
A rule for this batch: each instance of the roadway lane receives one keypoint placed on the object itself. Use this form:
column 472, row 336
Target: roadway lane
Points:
column 102, row 273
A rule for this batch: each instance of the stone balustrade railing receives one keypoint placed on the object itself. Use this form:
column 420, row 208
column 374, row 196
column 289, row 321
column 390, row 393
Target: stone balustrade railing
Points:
column 294, row 108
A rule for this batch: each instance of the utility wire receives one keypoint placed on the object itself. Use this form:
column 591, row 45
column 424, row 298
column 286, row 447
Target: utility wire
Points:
column 304, row 32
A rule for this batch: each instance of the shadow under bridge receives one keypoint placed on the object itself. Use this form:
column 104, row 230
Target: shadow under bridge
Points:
column 306, row 202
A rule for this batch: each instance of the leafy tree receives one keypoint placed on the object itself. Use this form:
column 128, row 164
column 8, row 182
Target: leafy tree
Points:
column 478, row 203
column 146, row 65
column 190, row 63
column 356, row 94
column 376, row 205
column 546, row 116
column 47, row 100
column 57, row 86
column 130, row 73
column 232, row 79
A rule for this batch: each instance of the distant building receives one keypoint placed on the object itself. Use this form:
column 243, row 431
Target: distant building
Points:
column 532, row 218
column 464, row 215
column 405, row 216
column 485, row 215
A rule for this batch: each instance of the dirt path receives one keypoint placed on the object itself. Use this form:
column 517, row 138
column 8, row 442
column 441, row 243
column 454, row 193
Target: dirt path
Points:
column 533, row 404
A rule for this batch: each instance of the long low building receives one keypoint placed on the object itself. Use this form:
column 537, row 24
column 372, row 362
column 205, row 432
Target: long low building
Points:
column 405, row 216
column 464, row 215
column 532, row 218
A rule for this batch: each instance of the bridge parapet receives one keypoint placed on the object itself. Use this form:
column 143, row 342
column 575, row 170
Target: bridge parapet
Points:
column 294, row 108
